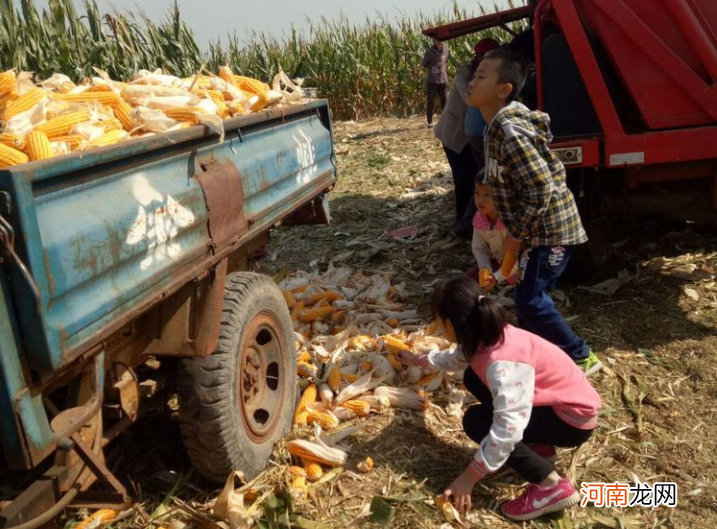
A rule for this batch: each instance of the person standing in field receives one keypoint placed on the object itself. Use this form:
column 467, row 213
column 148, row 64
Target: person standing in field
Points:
column 450, row 130
column 434, row 61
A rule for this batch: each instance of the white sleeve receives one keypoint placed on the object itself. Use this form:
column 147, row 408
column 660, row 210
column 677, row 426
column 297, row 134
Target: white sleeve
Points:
column 481, row 250
column 449, row 360
column 512, row 385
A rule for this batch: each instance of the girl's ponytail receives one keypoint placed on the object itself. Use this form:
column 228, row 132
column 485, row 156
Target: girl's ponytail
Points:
column 478, row 321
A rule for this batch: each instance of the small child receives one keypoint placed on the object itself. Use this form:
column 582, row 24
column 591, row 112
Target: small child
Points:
column 495, row 265
column 532, row 398
column 527, row 182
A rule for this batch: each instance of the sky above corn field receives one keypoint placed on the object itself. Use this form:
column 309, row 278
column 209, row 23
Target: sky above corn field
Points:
column 214, row 19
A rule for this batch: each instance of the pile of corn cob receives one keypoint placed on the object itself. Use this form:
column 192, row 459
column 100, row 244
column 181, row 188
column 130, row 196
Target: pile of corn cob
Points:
column 56, row 116
column 350, row 329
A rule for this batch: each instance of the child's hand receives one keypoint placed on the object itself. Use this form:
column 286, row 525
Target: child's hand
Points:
column 490, row 283
column 406, row 358
column 484, row 278
column 461, row 490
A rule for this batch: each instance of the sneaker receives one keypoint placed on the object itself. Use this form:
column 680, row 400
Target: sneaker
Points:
column 544, row 451
column 536, row 502
column 590, row 365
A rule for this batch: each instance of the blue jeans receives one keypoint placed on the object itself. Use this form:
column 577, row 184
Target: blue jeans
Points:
column 535, row 308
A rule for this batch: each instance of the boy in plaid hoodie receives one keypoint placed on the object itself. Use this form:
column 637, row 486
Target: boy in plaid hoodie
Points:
column 527, row 181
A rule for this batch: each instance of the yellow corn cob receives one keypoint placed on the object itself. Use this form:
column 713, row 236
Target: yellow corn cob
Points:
column 299, row 485
column 319, row 313
column 365, row 466
column 103, row 98
column 123, row 112
column 62, row 124
column 112, row 124
column 366, row 367
column 305, row 369
column 226, row 73
column 325, row 419
column 324, row 455
column 6, row 99
column 38, row 146
column 108, row 138
column 25, row 102
column 337, row 316
column 99, row 88
column 73, row 141
column 8, row 82
column 313, row 470
column 394, row 362
column 329, row 295
column 393, row 322
column 251, row 495
column 301, row 418
column 187, row 114
column 395, row 344
column 299, row 290
column 297, row 471
column 11, row 140
column 253, row 86
column 10, row 156
column 101, row 516
column 308, row 397
column 359, row 407
column 304, row 356
column 350, row 377
column 322, row 303
column 425, row 379
column 334, row 378
column 296, row 310
column 289, row 298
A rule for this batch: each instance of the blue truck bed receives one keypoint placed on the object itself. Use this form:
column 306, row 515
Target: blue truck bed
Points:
column 93, row 239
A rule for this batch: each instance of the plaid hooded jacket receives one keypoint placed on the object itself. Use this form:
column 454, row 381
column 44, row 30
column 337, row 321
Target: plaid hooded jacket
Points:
column 527, row 180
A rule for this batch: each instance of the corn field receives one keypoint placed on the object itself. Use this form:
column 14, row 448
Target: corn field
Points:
column 364, row 69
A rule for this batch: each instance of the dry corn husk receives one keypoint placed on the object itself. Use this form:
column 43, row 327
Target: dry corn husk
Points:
column 364, row 384
column 401, row 397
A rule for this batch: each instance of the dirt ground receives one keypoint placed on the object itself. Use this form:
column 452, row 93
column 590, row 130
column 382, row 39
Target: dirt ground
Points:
column 654, row 325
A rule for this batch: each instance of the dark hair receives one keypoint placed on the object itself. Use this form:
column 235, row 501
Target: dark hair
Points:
column 479, row 178
column 511, row 69
column 479, row 321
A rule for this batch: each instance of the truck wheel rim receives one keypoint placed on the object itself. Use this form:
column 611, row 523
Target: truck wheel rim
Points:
column 261, row 376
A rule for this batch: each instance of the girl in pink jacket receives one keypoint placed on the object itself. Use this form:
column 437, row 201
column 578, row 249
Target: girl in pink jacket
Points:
column 532, row 398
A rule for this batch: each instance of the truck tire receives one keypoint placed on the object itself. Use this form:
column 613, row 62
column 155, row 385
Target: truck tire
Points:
column 237, row 402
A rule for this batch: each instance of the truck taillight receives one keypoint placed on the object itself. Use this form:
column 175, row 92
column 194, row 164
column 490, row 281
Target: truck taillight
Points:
column 570, row 155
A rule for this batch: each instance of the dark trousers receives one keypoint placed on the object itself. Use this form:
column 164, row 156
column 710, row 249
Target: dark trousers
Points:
column 463, row 169
column 544, row 428
column 535, row 308
column 433, row 91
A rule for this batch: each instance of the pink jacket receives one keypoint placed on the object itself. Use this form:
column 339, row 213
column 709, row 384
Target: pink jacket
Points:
column 522, row 372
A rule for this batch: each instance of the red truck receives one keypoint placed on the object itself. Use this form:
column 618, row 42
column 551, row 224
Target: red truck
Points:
column 631, row 89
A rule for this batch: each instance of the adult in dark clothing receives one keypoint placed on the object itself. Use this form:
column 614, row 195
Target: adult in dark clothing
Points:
column 451, row 131
column 434, row 60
